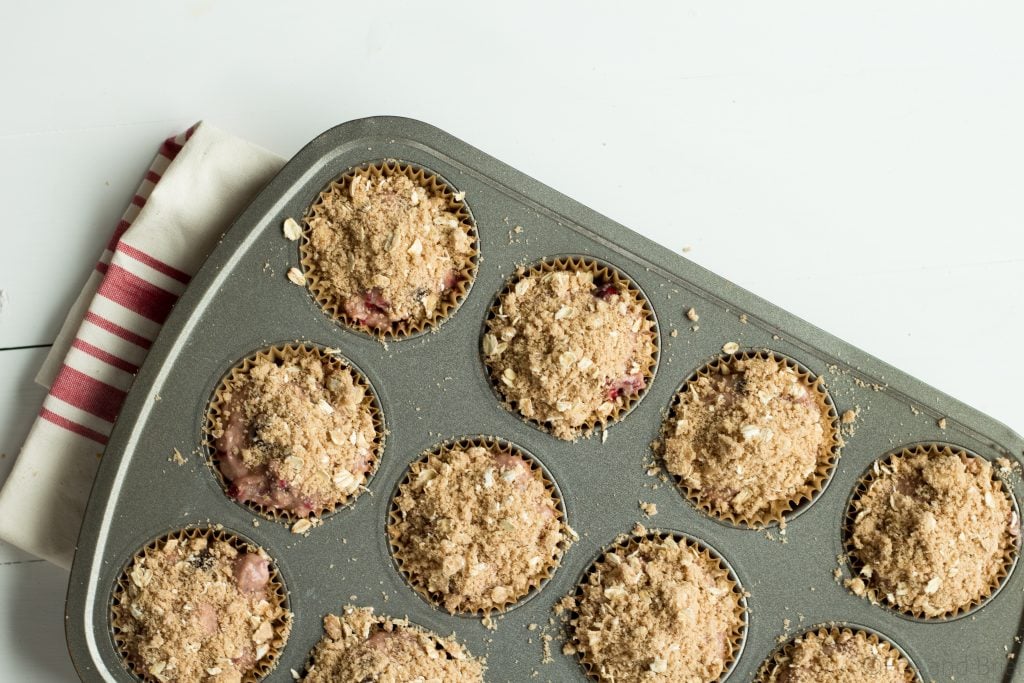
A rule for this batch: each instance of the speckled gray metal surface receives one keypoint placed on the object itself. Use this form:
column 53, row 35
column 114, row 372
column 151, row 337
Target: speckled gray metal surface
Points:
column 434, row 387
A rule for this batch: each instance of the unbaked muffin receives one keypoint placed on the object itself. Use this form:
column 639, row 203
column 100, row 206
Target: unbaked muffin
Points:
column 357, row 646
column 389, row 249
column 933, row 533
column 832, row 655
column 197, row 607
column 295, row 432
column 750, row 437
column 570, row 345
column 476, row 526
column 657, row 608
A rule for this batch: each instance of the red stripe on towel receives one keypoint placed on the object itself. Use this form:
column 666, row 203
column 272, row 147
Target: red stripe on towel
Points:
column 87, row 393
column 154, row 263
column 105, row 356
column 116, row 330
column 73, row 427
column 137, row 295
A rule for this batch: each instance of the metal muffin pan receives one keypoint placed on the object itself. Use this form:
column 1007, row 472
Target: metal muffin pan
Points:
column 434, row 387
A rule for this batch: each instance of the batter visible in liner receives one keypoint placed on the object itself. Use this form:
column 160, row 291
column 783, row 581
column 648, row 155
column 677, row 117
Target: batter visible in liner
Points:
column 295, row 433
column 567, row 351
column 386, row 250
column 747, row 438
column 358, row 646
column 932, row 533
column 659, row 611
column 476, row 528
column 834, row 656
column 199, row 611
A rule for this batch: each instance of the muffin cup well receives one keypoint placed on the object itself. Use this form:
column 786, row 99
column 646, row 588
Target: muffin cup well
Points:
column 278, row 597
column 282, row 353
column 496, row 445
column 436, row 186
column 783, row 653
column 828, row 456
column 853, row 508
column 627, row 544
column 604, row 274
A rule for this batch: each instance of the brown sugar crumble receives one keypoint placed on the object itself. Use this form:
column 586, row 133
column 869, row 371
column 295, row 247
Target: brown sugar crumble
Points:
column 476, row 527
column 198, row 609
column 386, row 250
column 295, row 433
column 357, row 646
column 568, row 351
column 747, row 438
column 933, row 532
column 657, row 609
column 839, row 657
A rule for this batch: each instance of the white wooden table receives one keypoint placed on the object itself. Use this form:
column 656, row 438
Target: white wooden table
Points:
column 862, row 168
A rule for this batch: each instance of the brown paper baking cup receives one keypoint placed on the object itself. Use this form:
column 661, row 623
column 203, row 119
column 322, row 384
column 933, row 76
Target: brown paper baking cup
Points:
column 120, row 616
column 627, row 544
column 782, row 510
column 871, row 590
column 781, row 657
column 603, row 274
column 433, row 184
column 496, row 445
column 280, row 354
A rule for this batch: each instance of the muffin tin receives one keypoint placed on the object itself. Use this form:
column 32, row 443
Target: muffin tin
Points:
column 434, row 387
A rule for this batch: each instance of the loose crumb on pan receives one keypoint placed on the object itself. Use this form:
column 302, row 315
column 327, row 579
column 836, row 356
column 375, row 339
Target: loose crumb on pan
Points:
column 747, row 437
column 295, row 434
column 567, row 351
column 386, row 250
column 658, row 611
column 477, row 528
column 838, row 657
column 291, row 229
column 199, row 610
column 357, row 646
column 932, row 533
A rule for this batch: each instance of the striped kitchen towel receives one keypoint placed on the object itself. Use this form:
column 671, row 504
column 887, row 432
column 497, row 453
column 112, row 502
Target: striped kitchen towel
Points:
column 196, row 186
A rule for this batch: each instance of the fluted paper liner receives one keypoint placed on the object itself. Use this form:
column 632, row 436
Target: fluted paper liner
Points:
column 827, row 458
column 436, row 186
column 497, row 445
column 629, row 543
column 853, row 509
column 277, row 595
column 282, row 353
column 603, row 274
column 885, row 647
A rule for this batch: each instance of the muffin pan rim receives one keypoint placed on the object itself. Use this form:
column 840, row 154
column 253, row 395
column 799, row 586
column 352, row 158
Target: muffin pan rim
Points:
column 799, row 337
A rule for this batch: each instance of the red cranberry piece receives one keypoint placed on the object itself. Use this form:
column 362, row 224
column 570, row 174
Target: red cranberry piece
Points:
column 606, row 291
column 630, row 385
column 371, row 309
column 252, row 573
column 451, row 279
